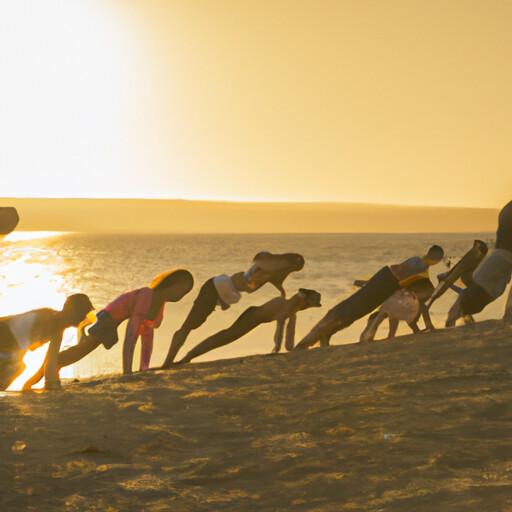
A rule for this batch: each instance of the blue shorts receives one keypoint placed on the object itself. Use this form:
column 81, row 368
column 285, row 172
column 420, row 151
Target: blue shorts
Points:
column 104, row 330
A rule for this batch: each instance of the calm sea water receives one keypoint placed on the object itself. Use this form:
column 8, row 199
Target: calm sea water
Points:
column 41, row 269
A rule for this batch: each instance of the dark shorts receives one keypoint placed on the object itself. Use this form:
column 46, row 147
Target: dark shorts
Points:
column 104, row 330
column 474, row 299
column 379, row 288
column 205, row 303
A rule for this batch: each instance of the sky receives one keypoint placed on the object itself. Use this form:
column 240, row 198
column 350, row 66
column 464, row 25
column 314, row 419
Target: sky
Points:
column 397, row 102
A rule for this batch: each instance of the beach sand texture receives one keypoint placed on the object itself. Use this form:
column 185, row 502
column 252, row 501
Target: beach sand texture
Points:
column 422, row 423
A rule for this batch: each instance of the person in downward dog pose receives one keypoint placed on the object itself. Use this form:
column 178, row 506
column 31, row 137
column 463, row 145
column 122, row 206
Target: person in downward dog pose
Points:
column 491, row 277
column 224, row 291
column 30, row 330
column 144, row 310
column 279, row 310
column 371, row 295
column 407, row 304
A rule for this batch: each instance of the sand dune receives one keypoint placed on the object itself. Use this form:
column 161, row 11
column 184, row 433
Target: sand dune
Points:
column 418, row 424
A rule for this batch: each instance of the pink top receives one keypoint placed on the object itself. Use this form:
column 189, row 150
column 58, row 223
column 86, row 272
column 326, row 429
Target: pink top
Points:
column 135, row 306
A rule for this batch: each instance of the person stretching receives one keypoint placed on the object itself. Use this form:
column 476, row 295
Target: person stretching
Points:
column 371, row 295
column 144, row 310
column 279, row 310
column 224, row 291
column 491, row 277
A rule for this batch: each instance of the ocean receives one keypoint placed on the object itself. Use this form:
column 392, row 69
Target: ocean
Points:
column 39, row 269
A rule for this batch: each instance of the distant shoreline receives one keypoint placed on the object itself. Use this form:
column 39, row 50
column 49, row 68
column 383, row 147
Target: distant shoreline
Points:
column 223, row 217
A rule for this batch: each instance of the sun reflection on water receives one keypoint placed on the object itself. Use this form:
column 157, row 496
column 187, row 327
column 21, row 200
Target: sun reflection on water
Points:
column 32, row 276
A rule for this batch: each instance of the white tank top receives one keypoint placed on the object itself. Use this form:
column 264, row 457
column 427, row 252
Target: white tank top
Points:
column 226, row 289
column 21, row 328
column 494, row 272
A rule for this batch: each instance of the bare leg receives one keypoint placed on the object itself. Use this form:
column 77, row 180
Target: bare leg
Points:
column 73, row 354
column 146, row 350
column 290, row 333
column 366, row 330
column 325, row 340
column 203, row 307
column 426, row 318
column 371, row 330
column 246, row 322
column 323, row 329
column 393, row 327
column 309, row 340
column 69, row 356
column 454, row 314
column 468, row 319
column 414, row 326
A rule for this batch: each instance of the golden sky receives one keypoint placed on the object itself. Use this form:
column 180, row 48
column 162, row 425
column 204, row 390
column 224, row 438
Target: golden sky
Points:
column 401, row 102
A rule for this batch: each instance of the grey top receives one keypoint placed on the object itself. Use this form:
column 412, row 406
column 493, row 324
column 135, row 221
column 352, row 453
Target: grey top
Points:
column 494, row 272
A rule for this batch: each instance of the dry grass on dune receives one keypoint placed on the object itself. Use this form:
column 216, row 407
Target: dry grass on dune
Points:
column 418, row 424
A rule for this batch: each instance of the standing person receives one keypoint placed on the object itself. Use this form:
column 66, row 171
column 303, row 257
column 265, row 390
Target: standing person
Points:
column 371, row 295
column 280, row 310
column 144, row 310
column 491, row 277
column 30, row 330
column 224, row 291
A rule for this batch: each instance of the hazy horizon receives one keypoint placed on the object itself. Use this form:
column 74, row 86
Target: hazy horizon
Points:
column 189, row 216
column 240, row 201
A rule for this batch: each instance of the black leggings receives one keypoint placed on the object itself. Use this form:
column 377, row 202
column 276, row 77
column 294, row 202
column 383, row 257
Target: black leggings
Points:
column 204, row 305
column 246, row 322
column 379, row 288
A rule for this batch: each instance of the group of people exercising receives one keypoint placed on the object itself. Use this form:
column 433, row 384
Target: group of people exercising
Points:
column 399, row 292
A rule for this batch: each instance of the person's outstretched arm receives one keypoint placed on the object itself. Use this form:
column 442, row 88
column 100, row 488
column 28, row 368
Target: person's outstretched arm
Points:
column 146, row 348
column 36, row 377
column 245, row 323
column 425, row 313
column 69, row 356
column 278, row 336
column 130, row 339
column 289, row 341
column 280, row 288
column 51, row 368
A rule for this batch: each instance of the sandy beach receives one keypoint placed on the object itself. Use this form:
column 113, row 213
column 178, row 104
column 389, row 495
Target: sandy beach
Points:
column 421, row 423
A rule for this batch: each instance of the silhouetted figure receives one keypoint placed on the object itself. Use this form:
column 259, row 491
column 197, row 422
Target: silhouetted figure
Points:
column 380, row 287
column 224, row 291
column 278, row 310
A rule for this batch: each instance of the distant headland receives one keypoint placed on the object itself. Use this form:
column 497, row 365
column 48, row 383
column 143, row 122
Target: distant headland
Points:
column 184, row 216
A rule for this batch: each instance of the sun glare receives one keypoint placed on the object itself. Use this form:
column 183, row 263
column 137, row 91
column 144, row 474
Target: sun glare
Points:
column 69, row 73
column 22, row 236
column 32, row 276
